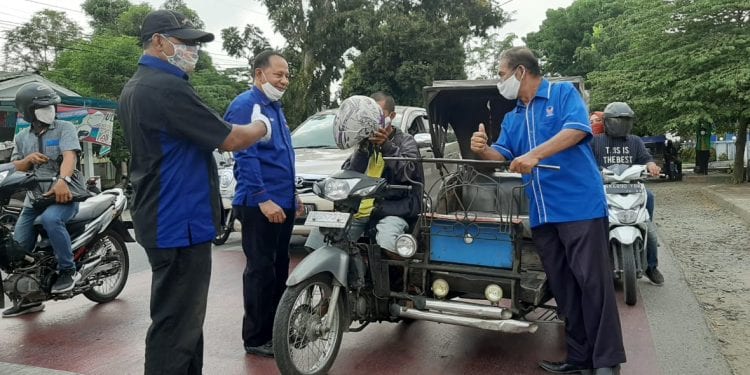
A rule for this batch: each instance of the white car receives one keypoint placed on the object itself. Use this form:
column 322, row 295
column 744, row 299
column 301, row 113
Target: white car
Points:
column 317, row 155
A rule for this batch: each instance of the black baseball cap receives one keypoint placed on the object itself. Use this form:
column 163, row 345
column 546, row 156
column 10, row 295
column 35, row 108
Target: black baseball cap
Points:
column 173, row 24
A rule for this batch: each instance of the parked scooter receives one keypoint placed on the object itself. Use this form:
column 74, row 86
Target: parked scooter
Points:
column 628, row 224
column 98, row 237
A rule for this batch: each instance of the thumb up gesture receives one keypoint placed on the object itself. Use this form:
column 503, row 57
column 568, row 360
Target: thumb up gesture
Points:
column 479, row 140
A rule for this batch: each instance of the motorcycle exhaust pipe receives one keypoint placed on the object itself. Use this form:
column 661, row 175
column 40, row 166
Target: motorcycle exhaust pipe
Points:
column 507, row 325
column 471, row 309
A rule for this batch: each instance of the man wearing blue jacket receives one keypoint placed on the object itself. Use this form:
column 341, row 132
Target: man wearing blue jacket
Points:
column 265, row 201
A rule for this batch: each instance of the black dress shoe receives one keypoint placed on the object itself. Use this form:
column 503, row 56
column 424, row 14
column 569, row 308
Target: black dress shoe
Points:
column 564, row 368
column 265, row 350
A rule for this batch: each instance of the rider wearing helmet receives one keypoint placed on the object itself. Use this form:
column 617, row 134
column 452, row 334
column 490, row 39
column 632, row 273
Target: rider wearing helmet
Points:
column 49, row 147
column 365, row 123
column 618, row 146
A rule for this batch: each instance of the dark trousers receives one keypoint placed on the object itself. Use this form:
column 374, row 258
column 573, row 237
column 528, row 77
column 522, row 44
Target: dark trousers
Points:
column 179, row 288
column 701, row 158
column 576, row 260
column 266, row 248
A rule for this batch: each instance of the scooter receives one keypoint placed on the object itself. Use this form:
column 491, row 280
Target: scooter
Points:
column 628, row 225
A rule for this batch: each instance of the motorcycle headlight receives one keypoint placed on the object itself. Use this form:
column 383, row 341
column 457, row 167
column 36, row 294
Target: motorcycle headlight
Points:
column 406, row 245
column 365, row 191
column 225, row 179
column 337, row 189
column 627, row 216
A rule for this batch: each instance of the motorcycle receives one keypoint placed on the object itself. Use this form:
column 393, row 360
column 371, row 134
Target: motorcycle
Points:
column 227, row 185
column 98, row 237
column 628, row 225
column 465, row 246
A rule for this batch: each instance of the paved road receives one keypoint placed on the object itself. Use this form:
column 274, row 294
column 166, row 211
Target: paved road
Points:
column 82, row 337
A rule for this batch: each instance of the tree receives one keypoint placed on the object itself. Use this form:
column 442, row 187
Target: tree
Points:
column 317, row 34
column 130, row 21
column 104, row 13
column 413, row 43
column 35, row 44
column 564, row 38
column 482, row 54
column 681, row 64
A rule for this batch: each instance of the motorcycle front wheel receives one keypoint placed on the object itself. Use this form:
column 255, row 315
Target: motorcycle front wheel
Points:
column 109, row 284
column 629, row 277
column 301, row 343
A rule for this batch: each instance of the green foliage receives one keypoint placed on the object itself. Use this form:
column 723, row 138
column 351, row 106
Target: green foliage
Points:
column 104, row 13
column 129, row 22
column 181, row 7
column 565, row 37
column 482, row 53
column 216, row 88
column 36, row 44
column 412, row 44
column 687, row 154
column 245, row 44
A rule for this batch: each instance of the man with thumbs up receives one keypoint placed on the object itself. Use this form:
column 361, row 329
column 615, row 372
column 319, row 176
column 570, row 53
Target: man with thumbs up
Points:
column 568, row 209
column 264, row 200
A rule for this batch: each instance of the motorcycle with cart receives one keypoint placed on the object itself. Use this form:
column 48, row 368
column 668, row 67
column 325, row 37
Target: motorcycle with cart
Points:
column 469, row 260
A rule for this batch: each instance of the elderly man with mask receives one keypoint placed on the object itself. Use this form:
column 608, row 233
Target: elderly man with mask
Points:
column 568, row 209
column 171, row 135
column 264, row 200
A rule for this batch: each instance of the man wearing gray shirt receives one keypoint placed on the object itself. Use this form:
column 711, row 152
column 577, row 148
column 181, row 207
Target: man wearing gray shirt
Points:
column 49, row 147
column 618, row 146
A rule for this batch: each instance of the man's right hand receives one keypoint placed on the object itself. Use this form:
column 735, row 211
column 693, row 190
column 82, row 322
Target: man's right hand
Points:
column 272, row 212
column 36, row 158
column 479, row 141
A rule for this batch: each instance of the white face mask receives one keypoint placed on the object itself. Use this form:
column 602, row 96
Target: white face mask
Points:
column 509, row 88
column 185, row 57
column 271, row 91
column 45, row 114
column 387, row 122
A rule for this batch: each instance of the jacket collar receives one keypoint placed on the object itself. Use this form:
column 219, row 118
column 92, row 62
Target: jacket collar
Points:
column 159, row 64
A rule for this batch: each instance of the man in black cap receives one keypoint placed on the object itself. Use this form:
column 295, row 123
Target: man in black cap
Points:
column 171, row 134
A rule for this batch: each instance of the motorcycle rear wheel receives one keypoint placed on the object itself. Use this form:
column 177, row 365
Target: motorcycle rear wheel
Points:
column 110, row 246
column 630, row 279
column 299, row 346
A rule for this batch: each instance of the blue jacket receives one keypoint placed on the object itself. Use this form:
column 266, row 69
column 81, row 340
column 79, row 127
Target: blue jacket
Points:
column 574, row 193
column 265, row 170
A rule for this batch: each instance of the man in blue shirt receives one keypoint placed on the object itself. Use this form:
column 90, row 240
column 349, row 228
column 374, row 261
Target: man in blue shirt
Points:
column 171, row 135
column 568, row 210
column 264, row 201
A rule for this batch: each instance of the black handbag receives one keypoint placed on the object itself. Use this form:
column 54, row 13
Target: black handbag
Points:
column 76, row 186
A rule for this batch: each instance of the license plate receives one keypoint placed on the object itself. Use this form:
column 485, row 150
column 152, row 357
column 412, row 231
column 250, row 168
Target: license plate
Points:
column 623, row 188
column 324, row 219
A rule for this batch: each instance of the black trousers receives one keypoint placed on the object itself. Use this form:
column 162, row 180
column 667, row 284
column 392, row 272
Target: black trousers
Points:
column 266, row 248
column 701, row 158
column 575, row 257
column 179, row 288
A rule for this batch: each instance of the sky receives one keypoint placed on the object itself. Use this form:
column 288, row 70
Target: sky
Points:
column 219, row 14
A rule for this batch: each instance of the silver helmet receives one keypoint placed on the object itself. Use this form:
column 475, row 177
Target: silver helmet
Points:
column 618, row 119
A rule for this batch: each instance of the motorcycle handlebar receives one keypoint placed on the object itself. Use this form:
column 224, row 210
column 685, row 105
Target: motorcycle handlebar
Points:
column 399, row 187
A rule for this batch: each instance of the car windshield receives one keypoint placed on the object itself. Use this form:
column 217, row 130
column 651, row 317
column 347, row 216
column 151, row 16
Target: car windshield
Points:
column 315, row 132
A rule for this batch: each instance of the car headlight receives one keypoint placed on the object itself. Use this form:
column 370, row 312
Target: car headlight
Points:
column 337, row 189
column 440, row 288
column 406, row 245
column 225, row 179
column 627, row 216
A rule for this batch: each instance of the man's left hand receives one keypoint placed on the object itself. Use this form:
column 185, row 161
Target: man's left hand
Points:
column 61, row 192
column 524, row 164
column 653, row 169
column 381, row 136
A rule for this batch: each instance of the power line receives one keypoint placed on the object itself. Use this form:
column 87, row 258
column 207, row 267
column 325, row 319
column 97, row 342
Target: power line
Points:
column 54, row 6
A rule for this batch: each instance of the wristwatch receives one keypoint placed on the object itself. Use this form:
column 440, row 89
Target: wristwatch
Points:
column 67, row 179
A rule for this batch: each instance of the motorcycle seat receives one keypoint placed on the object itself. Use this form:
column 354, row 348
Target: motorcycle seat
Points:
column 88, row 209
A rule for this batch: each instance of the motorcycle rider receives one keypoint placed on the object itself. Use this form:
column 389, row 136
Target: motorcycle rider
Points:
column 39, row 147
column 391, row 216
column 618, row 146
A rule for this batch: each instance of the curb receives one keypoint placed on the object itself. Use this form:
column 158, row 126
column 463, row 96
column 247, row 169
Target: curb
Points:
column 716, row 196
